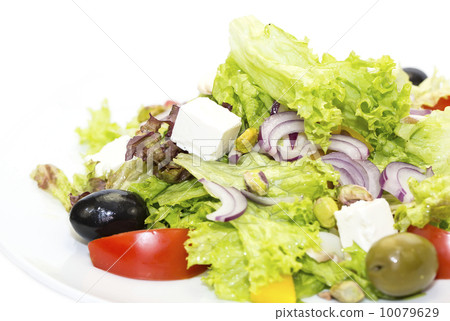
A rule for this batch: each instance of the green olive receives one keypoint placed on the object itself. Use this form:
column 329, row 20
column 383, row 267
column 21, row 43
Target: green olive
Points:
column 402, row 264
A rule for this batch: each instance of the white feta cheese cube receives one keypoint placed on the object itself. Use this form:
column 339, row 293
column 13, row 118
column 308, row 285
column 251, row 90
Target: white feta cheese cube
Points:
column 205, row 128
column 365, row 223
column 111, row 156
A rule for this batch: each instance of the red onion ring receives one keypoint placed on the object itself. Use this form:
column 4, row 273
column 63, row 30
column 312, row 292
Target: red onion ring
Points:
column 233, row 156
column 420, row 112
column 357, row 172
column 234, row 203
column 394, row 179
column 350, row 146
column 374, row 187
column 270, row 123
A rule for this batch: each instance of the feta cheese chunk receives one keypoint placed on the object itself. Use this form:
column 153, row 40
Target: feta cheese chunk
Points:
column 364, row 223
column 111, row 156
column 205, row 129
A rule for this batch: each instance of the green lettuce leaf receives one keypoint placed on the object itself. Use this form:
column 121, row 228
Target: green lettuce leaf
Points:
column 219, row 245
column 254, row 250
column 100, row 130
column 422, row 144
column 304, row 177
column 306, row 285
column 233, row 86
column 360, row 94
column 299, row 211
column 431, row 203
column 429, row 140
column 353, row 268
column 53, row 180
column 182, row 205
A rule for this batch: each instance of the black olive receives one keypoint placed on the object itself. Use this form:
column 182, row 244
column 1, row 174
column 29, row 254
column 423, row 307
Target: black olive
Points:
column 416, row 76
column 108, row 212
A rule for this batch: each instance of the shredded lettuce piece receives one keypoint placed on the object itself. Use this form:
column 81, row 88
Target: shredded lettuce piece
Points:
column 360, row 94
column 178, row 205
column 304, row 177
column 100, row 130
column 432, row 203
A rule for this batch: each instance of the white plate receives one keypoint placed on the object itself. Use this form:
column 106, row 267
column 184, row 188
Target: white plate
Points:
column 54, row 73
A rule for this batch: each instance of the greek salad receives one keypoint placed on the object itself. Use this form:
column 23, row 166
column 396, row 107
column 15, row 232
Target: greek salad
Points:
column 290, row 175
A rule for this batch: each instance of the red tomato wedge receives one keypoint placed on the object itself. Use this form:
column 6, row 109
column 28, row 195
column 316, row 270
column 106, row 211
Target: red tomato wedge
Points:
column 146, row 254
column 441, row 241
column 440, row 105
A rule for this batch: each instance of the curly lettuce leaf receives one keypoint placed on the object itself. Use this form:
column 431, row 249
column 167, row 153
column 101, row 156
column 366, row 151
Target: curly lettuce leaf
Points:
column 306, row 285
column 174, row 205
column 219, row 245
column 304, row 177
column 53, row 180
column 362, row 95
column 432, row 203
column 234, row 87
column 249, row 252
column 273, row 247
column 100, row 130
column 429, row 140
column 423, row 144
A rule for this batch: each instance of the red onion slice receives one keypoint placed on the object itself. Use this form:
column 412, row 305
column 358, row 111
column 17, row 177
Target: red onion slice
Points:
column 394, row 179
column 345, row 178
column 357, row 173
column 234, row 203
column 270, row 123
column 233, row 156
column 275, row 107
column 420, row 112
column 354, row 148
column 292, row 139
column 374, row 187
column 282, row 129
column 301, row 147
column 268, row 201
column 429, row 172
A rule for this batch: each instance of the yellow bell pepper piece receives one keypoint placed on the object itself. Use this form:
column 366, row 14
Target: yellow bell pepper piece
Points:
column 282, row 291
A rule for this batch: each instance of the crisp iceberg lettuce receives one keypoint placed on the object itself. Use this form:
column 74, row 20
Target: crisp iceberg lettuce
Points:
column 360, row 94
column 304, row 177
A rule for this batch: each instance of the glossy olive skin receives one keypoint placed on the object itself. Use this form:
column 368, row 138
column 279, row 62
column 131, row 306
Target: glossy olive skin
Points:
column 416, row 76
column 108, row 212
column 402, row 264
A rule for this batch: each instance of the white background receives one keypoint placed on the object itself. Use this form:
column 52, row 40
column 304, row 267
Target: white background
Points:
column 67, row 56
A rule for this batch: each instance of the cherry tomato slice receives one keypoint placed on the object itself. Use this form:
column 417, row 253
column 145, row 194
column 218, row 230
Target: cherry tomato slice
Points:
column 440, row 105
column 441, row 241
column 145, row 254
